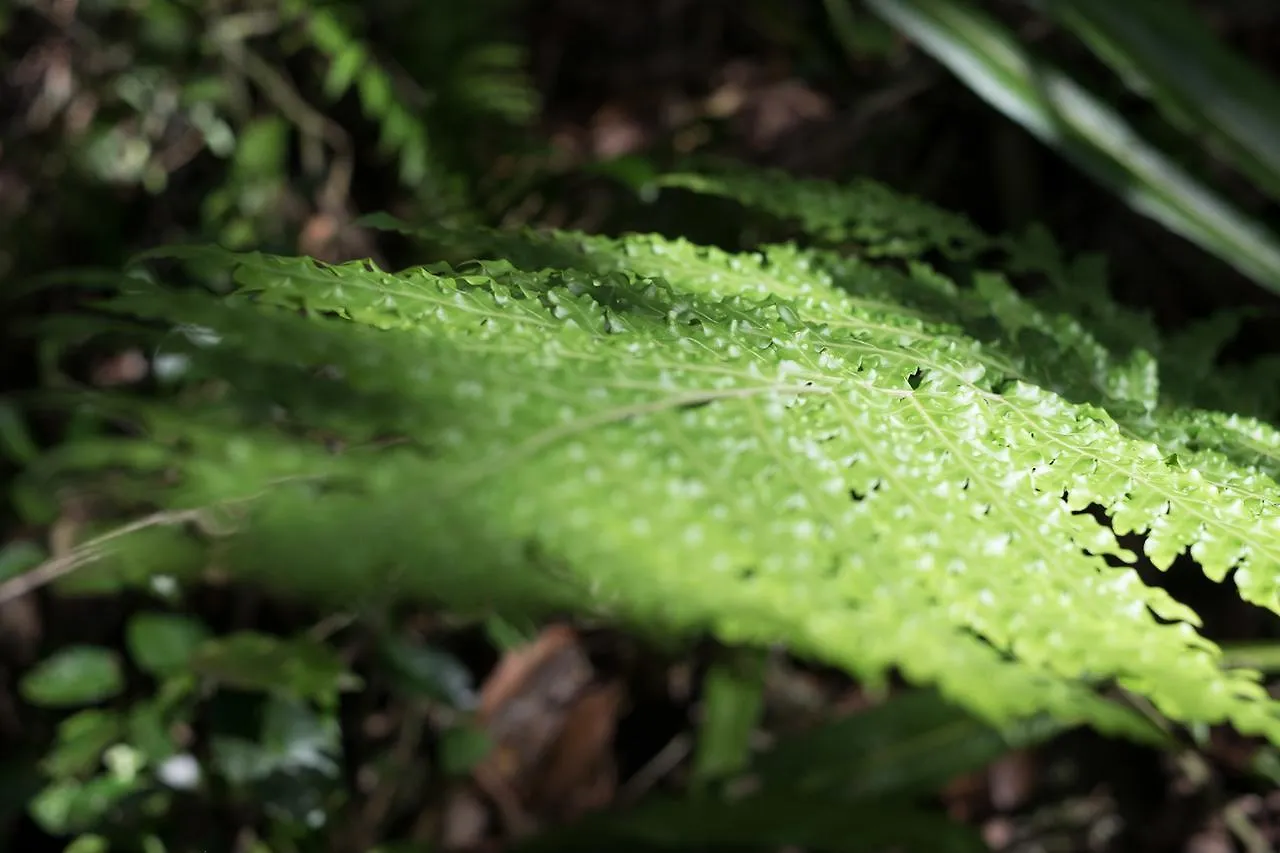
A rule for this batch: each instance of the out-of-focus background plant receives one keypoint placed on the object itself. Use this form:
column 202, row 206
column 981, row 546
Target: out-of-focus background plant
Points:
column 1146, row 130
column 277, row 124
column 253, row 123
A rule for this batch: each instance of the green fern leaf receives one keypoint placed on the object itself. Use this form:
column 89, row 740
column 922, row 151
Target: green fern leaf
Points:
column 885, row 223
column 877, row 467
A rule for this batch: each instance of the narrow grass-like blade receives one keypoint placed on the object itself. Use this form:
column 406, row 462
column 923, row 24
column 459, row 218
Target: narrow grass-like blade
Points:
column 732, row 703
column 1164, row 50
column 1052, row 107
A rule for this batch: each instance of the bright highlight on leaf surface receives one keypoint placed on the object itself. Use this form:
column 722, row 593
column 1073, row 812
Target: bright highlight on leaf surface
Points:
column 868, row 462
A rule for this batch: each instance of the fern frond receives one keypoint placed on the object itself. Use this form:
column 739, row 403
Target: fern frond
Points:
column 1085, row 345
column 882, row 222
column 876, row 466
column 351, row 64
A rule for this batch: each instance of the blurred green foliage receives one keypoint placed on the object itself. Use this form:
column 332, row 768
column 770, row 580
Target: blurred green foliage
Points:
column 254, row 120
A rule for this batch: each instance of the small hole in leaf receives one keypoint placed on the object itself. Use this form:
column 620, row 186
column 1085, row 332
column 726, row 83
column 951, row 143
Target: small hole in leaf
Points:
column 914, row 379
column 855, row 495
column 1004, row 386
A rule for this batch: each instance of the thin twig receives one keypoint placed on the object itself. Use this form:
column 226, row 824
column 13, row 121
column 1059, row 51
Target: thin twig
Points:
column 87, row 552
column 667, row 759
column 92, row 549
column 330, row 625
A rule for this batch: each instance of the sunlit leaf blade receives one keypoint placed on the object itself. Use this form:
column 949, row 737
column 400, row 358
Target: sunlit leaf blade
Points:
column 1166, row 51
column 1053, row 108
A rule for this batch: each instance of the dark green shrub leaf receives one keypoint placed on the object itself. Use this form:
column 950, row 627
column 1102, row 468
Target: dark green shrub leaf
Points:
column 239, row 760
column 81, row 740
column 420, row 670
column 76, row 675
column 301, row 738
column 294, row 739
column 65, row 808
column 300, row 667
column 149, row 731
column 163, row 643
